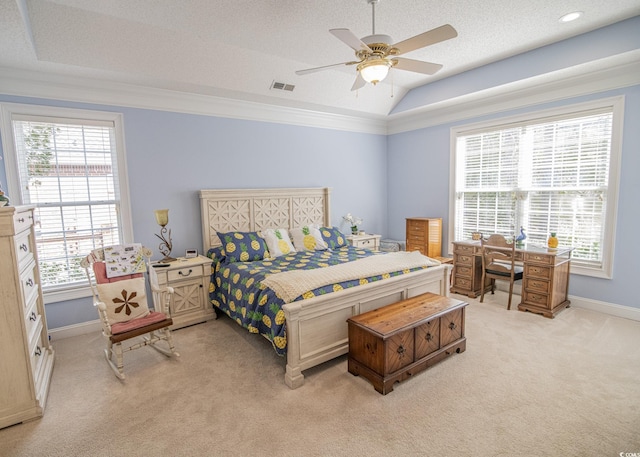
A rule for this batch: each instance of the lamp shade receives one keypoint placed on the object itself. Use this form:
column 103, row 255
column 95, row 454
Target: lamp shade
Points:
column 375, row 70
column 162, row 216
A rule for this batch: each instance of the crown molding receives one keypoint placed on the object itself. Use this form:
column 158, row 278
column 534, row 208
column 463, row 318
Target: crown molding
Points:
column 622, row 70
column 615, row 72
column 26, row 83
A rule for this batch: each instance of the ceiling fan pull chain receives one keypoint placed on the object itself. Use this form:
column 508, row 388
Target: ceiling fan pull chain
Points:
column 392, row 85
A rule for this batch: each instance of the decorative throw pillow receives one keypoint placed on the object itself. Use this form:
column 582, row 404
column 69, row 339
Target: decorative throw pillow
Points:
column 243, row 246
column 308, row 238
column 278, row 242
column 333, row 237
column 125, row 300
column 217, row 255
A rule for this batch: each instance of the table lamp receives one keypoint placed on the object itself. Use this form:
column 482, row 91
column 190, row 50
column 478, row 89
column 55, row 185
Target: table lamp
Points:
column 162, row 218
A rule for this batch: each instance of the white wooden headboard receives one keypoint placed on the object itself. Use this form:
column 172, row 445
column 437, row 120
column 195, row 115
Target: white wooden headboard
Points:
column 249, row 210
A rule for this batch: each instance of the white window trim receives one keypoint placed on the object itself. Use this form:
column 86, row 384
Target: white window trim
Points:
column 617, row 104
column 7, row 111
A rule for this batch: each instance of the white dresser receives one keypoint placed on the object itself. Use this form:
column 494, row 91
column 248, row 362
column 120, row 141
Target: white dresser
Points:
column 26, row 356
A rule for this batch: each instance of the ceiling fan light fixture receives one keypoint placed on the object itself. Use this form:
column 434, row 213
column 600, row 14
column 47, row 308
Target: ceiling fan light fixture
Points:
column 374, row 70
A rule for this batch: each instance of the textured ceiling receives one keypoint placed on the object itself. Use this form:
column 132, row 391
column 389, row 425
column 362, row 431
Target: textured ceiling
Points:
column 237, row 48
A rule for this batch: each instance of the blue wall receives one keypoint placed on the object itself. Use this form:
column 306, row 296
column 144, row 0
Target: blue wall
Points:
column 170, row 156
column 418, row 164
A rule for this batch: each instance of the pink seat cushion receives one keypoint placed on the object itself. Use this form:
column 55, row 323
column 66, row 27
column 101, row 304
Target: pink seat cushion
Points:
column 100, row 272
column 151, row 318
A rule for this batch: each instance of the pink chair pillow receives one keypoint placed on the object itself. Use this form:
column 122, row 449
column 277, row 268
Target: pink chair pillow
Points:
column 100, row 272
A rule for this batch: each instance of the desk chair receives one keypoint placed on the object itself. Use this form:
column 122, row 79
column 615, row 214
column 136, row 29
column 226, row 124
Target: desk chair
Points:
column 498, row 262
column 123, row 307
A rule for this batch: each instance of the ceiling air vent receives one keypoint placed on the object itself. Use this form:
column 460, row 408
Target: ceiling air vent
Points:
column 282, row 86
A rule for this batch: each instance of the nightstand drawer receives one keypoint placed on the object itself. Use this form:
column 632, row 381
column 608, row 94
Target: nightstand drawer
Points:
column 194, row 271
column 366, row 241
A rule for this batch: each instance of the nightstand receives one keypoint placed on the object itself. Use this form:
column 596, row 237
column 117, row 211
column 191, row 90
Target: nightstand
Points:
column 367, row 241
column 190, row 281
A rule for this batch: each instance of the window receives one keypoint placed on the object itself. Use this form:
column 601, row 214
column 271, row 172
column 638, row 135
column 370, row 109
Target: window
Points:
column 69, row 164
column 556, row 173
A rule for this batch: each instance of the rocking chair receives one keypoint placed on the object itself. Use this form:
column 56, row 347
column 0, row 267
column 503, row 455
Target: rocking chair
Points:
column 120, row 298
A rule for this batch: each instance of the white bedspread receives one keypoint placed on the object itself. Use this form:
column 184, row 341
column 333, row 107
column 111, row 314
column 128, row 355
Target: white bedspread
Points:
column 289, row 285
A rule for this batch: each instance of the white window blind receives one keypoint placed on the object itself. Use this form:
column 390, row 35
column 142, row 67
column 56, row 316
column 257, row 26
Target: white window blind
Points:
column 546, row 175
column 68, row 169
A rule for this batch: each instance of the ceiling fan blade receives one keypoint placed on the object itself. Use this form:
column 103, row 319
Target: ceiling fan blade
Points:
column 417, row 66
column 348, row 38
column 442, row 33
column 325, row 67
column 359, row 83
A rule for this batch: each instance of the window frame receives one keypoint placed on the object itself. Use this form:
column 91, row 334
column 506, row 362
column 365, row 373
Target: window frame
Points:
column 7, row 112
column 616, row 104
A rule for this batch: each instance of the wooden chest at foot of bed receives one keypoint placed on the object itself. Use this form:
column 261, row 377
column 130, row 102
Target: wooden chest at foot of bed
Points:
column 392, row 343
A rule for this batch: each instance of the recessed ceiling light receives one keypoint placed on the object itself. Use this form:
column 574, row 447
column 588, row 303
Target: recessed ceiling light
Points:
column 571, row 16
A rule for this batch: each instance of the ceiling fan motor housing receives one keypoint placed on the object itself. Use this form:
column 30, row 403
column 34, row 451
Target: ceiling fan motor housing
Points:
column 379, row 45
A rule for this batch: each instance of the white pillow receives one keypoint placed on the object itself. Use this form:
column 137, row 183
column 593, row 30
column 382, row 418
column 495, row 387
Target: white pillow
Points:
column 125, row 300
column 278, row 242
column 309, row 238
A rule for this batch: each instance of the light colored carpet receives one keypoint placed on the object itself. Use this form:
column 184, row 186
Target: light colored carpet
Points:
column 526, row 386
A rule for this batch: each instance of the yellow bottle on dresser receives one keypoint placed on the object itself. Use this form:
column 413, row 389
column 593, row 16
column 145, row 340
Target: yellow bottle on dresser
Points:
column 552, row 242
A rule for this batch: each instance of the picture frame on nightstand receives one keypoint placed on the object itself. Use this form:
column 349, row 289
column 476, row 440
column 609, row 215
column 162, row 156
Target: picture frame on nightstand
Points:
column 191, row 253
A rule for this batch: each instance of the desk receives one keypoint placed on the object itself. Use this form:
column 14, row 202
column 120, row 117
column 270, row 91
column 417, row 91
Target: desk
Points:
column 545, row 281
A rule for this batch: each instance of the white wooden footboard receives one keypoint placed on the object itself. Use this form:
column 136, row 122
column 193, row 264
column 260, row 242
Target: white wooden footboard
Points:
column 317, row 328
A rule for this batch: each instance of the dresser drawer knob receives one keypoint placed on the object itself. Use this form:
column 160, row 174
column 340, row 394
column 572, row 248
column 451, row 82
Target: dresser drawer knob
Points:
column 21, row 219
column 33, row 316
column 23, row 247
column 452, row 325
column 29, row 282
column 401, row 351
column 38, row 351
column 428, row 336
column 187, row 274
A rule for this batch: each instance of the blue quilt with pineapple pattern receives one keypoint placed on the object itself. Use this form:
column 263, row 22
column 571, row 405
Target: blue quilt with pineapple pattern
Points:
column 236, row 287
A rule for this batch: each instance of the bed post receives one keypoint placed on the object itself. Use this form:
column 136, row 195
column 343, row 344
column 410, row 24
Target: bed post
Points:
column 293, row 376
column 448, row 270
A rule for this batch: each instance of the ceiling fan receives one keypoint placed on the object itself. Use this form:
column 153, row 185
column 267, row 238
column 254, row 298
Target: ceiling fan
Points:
column 376, row 55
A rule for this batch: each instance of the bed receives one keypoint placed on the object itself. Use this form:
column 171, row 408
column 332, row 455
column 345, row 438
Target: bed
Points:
column 312, row 328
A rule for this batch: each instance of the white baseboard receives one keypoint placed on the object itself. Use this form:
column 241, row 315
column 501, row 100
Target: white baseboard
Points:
column 75, row 330
column 612, row 309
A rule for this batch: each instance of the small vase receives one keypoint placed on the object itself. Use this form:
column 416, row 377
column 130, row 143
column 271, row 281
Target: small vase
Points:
column 354, row 229
column 552, row 242
column 4, row 200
